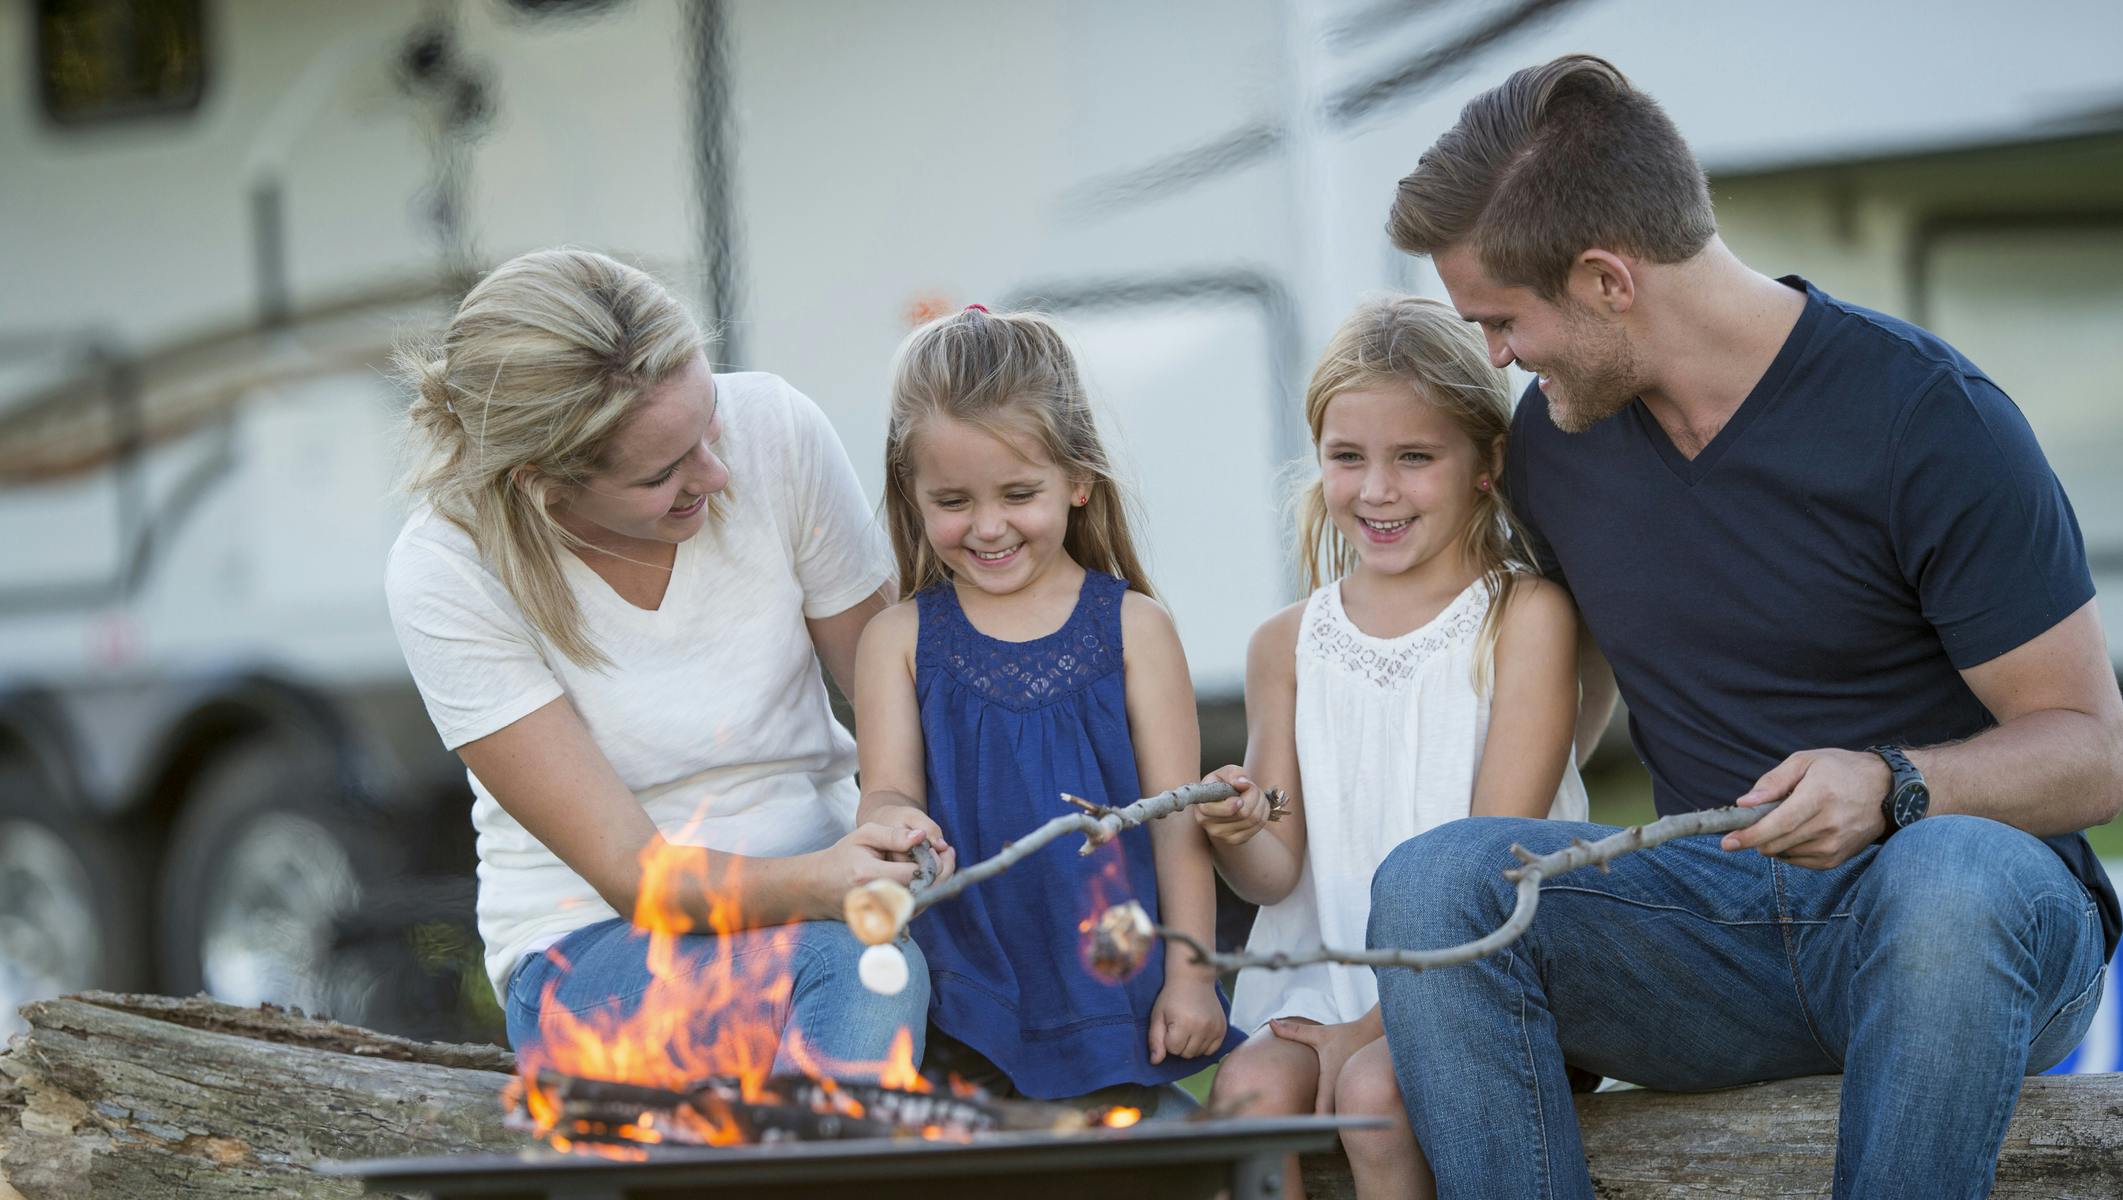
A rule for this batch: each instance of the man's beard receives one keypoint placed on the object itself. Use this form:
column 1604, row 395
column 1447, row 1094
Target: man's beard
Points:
column 1602, row 378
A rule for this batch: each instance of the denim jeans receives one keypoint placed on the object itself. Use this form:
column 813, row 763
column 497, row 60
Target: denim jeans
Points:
column 1933, row 971
column 790, row 992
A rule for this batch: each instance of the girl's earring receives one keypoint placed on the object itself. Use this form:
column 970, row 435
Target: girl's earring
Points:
column 1081, row 500
column 1482, row 483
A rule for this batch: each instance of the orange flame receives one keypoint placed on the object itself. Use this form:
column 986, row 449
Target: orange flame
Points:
column 1120, row 1116
column 702, row 1016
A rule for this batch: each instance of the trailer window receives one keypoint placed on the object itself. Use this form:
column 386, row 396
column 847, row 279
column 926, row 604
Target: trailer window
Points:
column 112, row 60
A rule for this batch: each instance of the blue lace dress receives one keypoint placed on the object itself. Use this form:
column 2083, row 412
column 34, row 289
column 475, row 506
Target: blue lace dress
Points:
column 1008, row 727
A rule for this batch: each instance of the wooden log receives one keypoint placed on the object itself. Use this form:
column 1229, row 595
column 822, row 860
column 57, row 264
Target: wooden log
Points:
column 129, row 1096
column 145, row 1097
column 1777, row 1140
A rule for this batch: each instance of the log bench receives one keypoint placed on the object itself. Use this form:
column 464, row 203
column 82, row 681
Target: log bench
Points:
column 147, row 1096
column 1778, row 1140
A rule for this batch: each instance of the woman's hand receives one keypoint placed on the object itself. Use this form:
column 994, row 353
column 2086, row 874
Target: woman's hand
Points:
column 906, row 816
column 868, row 852
column 1334, row 1044
column 1186, row 1021
column 1233, row 822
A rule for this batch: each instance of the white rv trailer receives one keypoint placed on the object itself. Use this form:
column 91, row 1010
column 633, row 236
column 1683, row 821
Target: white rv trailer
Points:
column 216, row 216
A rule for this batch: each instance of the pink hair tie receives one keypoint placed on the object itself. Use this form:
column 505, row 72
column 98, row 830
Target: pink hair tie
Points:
column 978, row 308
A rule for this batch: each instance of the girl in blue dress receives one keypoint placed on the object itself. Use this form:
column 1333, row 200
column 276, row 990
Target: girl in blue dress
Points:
column 1027, row 658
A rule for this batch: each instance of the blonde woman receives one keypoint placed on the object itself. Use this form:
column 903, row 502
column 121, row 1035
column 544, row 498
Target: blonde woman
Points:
column 615, row 596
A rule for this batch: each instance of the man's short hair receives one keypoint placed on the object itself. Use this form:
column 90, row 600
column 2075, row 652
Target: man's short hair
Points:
column 1563, row 157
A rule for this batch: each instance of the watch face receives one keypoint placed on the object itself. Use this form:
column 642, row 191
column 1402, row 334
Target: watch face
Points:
column 1911, row 802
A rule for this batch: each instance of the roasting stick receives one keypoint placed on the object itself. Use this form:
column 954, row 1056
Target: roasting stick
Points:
column 1123, row 940
column 1120, row 938
column 878, row 911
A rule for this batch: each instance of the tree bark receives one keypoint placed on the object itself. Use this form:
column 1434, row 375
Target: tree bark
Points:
column 1772, row 1141
column 144, row 1096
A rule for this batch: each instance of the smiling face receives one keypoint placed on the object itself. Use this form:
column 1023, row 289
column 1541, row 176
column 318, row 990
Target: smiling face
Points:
column 994, row 508
column 658, row 471
column 1587, row 367
column 1400, row 479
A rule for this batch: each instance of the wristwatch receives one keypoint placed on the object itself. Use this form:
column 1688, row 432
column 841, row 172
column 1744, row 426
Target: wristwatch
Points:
column 1908, row 798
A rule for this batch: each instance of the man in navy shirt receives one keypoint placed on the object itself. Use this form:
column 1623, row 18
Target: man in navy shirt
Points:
column 1831, row 570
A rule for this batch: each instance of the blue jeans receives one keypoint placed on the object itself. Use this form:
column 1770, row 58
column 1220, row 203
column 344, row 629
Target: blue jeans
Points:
column 1933, row 971
column 789, row 994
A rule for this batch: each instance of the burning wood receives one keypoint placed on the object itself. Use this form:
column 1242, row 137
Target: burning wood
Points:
column 603, row 1116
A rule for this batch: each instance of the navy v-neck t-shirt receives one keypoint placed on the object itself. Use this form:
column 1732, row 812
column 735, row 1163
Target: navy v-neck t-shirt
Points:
column 1875, row 518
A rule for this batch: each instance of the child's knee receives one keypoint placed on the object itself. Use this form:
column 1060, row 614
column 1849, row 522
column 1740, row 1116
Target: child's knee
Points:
column 1367, row 1088
column 1261, row 1083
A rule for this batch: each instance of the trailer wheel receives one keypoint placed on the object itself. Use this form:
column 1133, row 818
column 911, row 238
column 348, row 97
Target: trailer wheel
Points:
column 265, row 865
column 72, row 908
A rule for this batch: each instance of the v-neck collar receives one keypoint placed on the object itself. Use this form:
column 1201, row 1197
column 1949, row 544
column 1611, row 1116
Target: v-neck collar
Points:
column 603, row 589
column 1762, row 397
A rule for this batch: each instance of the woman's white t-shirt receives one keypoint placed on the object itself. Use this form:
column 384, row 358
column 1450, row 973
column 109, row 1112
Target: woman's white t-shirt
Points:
column 713, row 711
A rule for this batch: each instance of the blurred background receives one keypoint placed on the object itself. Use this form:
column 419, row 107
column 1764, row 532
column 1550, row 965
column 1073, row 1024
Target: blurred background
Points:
column 218, row 216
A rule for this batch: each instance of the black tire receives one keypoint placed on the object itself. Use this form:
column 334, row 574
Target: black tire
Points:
column 73, row 904
column 268, row 861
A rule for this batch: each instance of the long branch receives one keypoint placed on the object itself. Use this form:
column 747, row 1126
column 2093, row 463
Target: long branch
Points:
column 879, row 910
column 1533, row 869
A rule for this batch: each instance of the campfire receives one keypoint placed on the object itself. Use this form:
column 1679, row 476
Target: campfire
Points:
column 575, row 1113
column 679, row 1095
column 689, row 1065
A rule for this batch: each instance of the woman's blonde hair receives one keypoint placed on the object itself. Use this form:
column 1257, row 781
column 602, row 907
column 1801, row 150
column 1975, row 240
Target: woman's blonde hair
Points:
column 1421, row 346
column 1007, row 374
column 541, row 366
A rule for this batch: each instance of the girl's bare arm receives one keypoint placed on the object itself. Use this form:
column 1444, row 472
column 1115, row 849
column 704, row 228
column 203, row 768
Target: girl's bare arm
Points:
column 888, row 742
column 1167, row 736
column 1265, row 867
column 1533, row 711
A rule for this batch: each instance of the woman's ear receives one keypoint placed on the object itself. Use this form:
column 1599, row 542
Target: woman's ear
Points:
column 1080, row 491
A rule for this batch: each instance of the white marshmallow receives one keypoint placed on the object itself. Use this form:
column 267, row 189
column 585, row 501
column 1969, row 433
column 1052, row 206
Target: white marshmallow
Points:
column 883, row 969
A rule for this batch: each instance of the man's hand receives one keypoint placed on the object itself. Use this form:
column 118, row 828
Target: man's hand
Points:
column 1830, row 811
column 1186, row 1021
column 1233, row 822
column 1334, row 1044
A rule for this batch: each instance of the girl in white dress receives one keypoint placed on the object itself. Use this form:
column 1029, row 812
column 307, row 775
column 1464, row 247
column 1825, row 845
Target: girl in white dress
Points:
column 1426, row 678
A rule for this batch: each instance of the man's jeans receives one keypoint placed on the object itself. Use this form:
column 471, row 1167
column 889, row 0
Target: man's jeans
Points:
column 1933, row 971
column 789, row 993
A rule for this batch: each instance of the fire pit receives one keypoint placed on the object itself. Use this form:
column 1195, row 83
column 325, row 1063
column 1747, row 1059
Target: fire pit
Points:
column 1157, row 1160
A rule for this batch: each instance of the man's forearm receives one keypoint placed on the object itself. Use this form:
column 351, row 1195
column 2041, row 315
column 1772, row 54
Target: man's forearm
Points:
column 2048, row 772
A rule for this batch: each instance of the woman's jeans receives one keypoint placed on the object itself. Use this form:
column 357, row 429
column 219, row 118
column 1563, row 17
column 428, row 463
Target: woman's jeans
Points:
column 1933, row 971
column 788, row 994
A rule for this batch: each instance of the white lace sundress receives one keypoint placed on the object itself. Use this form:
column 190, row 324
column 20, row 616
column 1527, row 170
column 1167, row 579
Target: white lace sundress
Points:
column 1389, row 735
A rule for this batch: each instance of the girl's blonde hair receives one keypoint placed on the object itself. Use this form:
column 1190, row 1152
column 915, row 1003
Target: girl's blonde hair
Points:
column 1422, row 346
column 541, row 366
column 1007, row 374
